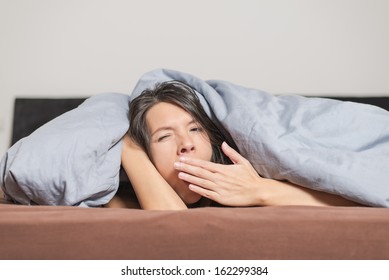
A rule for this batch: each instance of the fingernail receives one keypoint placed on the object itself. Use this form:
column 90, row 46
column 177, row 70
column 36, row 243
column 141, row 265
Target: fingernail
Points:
column 177, row 165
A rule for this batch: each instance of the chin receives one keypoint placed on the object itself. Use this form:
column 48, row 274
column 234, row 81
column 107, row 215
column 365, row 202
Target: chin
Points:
column 192, row 199
column 183, row 191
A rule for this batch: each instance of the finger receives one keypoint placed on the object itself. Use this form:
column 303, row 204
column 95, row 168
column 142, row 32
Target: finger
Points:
column 203, row 183
column 233, row 155
column 194, row 170
column 203, row 192
column 204, row 164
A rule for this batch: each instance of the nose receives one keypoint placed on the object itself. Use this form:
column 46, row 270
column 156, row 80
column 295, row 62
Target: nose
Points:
column 186, row 145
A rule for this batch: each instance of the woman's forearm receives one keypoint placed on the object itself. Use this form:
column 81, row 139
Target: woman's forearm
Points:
column 285, row 193
column 152, row 191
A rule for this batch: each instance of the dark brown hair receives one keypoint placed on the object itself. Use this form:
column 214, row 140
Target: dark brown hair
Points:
column 181, row 95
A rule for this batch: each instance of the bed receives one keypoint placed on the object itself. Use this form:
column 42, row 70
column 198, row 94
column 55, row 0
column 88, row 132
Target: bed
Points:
column 210, row 233
column 59, row 170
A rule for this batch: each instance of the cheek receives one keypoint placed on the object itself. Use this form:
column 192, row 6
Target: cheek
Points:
column 163, row 159
column 205, row 148
column 207, row 154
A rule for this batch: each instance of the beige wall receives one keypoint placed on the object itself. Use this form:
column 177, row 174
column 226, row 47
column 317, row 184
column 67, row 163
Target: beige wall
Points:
column 62, row 48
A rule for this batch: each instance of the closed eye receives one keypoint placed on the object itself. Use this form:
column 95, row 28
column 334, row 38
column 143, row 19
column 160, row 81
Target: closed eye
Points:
column 163, row 137
column 196, row 129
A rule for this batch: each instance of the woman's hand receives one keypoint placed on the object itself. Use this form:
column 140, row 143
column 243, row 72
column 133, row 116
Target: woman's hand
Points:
column 236, row 184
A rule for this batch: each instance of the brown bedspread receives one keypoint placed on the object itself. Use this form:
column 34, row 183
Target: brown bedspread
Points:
column 299, row 232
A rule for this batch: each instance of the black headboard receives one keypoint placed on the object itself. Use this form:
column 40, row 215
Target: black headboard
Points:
column 382, row 102
column 31, row 113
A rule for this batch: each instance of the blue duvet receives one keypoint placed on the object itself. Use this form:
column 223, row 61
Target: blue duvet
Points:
column 323, row 144
column 327, row 145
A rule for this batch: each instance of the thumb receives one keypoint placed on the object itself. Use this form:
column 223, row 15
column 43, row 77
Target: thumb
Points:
column 233, row 155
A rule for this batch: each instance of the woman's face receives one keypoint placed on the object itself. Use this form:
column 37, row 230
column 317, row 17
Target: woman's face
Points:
column 174, row 133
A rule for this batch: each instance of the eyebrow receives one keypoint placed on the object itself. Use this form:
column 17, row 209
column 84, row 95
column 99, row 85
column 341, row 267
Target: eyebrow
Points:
column 170, row 127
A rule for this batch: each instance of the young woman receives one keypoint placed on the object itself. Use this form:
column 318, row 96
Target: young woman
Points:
column 176, row 157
